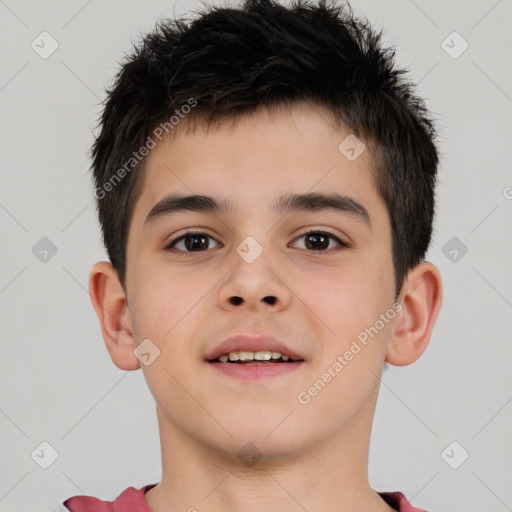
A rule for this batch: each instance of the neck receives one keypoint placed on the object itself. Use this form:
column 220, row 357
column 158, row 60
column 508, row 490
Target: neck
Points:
column 324, row 476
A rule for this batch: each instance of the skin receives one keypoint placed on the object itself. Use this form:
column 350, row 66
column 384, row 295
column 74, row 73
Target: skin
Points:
column 313, row 456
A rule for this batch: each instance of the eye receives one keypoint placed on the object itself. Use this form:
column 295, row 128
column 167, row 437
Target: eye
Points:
column 197, row 241
column 194, row 241
column 320, row 240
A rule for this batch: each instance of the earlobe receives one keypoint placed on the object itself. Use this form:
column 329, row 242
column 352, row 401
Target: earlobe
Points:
column 421, row 299
column 109, row 301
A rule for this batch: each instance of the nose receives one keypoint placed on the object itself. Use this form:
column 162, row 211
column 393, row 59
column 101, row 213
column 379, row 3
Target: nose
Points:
column 269, row 299
column 255, row 287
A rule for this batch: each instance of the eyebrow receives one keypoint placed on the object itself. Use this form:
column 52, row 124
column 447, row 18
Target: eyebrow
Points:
column 311, row 202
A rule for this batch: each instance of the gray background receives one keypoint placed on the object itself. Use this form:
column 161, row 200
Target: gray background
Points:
column 58, row 383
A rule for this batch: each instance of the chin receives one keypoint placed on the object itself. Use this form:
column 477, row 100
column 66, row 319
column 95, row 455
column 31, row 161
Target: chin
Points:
column 249, row 452
column 266, row 440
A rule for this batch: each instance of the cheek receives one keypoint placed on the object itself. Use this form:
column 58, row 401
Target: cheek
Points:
column 350, row 306
column 162, row 311
column 159, row 303
column 350, row 296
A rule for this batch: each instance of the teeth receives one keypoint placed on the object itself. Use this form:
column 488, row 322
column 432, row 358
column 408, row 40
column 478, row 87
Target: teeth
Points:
column 245, row 356
column 242, row 355
column 233, row 356
column 264, row 355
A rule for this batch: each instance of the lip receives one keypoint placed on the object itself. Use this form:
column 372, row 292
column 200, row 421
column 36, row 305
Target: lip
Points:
column 253, row 344
column 255, row 372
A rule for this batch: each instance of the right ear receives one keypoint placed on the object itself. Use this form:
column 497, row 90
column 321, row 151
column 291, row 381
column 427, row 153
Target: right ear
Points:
column 109, row 301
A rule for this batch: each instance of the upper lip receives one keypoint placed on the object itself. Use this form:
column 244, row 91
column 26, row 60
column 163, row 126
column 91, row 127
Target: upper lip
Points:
column 254, row 343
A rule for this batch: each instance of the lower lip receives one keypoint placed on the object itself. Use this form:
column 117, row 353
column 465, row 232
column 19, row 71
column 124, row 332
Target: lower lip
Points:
column 255, row 371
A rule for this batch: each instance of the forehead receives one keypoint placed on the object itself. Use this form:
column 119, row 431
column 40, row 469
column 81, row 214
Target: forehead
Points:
column 254, row 160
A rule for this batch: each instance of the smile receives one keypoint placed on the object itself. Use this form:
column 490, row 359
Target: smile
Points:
column 262, row 356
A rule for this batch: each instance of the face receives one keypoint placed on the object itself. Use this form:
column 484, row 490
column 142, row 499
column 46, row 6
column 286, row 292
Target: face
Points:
column 253, row 270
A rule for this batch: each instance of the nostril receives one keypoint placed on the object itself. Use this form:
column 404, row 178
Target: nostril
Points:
column 236, row 300
column 270, row 300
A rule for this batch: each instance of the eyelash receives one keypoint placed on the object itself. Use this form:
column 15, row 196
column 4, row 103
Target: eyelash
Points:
column 342, row 244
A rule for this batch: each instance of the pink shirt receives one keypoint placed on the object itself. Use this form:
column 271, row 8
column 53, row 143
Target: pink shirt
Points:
column 132, row 500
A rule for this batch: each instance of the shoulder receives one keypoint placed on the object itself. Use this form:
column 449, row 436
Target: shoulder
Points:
column 399, row 502
column 86, row 503
column 130, row 500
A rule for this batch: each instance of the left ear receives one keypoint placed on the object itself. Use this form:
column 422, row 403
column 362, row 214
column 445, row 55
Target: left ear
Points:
column 421, row 298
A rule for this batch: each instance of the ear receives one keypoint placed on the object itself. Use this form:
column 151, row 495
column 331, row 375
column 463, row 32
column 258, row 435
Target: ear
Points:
column 421, row 298
column 109, row 301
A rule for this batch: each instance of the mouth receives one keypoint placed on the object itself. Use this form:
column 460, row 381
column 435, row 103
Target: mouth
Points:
column 248, row 357
column 253, row 358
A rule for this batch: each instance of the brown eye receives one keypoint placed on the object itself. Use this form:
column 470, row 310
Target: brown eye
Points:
column 320, row 240
column 190, row 242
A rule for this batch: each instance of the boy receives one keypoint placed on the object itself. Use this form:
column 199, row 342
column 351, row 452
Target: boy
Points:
column 265, row 185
